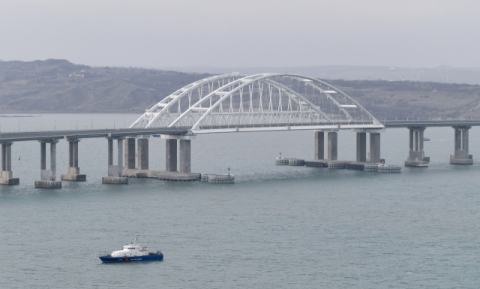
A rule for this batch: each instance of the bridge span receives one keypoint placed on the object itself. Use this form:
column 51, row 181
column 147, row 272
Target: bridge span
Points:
column 430, row 123
column 233, row 103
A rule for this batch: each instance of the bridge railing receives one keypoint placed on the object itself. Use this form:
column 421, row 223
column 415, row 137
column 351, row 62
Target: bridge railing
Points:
column 430, row 123
column 92, row 133
column 428, row 119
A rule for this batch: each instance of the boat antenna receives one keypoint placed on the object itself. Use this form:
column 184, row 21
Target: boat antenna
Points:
column 136, row 240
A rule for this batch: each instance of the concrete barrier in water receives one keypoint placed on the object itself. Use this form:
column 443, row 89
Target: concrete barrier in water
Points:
column 218, row 179
column 296, row 162
column 336, row 165
column 370, row 167
column 282, row 161
column 389, row 169
column 316, row 164
column 355, row 166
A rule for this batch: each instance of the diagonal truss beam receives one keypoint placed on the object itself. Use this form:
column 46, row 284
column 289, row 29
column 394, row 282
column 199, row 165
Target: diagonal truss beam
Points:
column 152, row 114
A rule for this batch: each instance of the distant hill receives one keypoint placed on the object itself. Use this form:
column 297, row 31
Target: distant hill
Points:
column 407, row 99
column 443, row 74
column 60, row 86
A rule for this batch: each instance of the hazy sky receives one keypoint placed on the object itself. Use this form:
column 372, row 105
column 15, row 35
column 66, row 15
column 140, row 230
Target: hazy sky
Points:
column 228, row 33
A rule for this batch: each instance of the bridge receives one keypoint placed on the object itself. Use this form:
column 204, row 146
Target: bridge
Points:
column 233, row 103
column 430, row 123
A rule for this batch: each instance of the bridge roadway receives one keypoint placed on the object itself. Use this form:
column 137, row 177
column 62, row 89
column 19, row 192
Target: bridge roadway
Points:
column 429, row 123
column 96, row 133
column 125, row 132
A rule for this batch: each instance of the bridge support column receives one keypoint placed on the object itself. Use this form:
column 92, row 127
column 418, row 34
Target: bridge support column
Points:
column 461, row 156
column 73, row 171
column 47, row 177
column 142, row 144
column 361, row 147
column 115, row 173
column 374, row 150
column 416, row 157
column 6, row 175
column 319, row 145
column 185, row 151
column 129, row 155
column 374, row 147
column 332, row 145
column 171, row 156
column 110, row 152
column 185, row 155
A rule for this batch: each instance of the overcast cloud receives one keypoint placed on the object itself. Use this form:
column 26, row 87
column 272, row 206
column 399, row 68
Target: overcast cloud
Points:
column 225, row 33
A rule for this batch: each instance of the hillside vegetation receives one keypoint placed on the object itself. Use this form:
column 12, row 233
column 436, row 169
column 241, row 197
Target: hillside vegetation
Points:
column 62, row 87
column 407, row 99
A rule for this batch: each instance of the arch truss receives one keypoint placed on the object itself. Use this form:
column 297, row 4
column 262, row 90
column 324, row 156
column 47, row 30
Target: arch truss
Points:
column 232, row 102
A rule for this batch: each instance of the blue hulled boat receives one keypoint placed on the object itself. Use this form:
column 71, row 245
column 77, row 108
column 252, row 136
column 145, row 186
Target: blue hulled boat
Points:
column 132, row 253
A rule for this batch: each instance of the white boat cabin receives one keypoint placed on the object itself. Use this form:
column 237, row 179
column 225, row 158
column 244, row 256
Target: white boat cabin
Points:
column 132, row 250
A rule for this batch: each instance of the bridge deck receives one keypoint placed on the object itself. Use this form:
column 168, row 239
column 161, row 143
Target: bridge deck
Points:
column 103, row 133
column 97, row 133
column 429, row 123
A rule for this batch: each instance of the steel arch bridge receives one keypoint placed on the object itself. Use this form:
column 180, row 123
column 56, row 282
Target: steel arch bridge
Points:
column 259, row 102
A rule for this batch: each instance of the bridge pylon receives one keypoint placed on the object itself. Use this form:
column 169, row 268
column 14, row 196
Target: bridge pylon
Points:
column 48, row 177
column 416, row 156
column 73, row 171
column 374, row 150
column 115, row 172
column 6, row 175
column 461, row 156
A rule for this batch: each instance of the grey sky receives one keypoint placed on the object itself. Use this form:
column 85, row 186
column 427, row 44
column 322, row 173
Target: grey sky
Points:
column 225, row 33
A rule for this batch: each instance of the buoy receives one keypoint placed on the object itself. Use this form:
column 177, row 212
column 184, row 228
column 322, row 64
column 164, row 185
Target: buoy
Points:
column 18, row 157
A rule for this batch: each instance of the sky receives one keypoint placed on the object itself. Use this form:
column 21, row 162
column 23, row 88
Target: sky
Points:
column 247, row 33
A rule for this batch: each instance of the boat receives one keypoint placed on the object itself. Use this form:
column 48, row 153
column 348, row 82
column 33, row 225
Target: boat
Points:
column 132, row 252
column 426, row 139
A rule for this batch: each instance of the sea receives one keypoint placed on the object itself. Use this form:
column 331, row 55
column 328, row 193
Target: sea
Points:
column 276, row 227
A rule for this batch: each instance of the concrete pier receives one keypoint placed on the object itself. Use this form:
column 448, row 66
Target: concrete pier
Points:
column 129, row 154
column 171, row 173
column 142, row 153
column 361, row 147
column 319, row 145
column 461, row 156
column 319, row 151
column 416, row 157
column 184, row 174
column 141, row 171
column 185, row 155
column 48, row 177
column 374, row 147
column 73, row 171
column 332, row 145
column 362, row 161
column 171, row 155
column 6, row 175
column 115, row 172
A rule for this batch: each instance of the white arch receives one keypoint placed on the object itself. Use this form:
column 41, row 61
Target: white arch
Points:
column 350, row 98
column 299, row 96
column 151, row 115
column 264, row 77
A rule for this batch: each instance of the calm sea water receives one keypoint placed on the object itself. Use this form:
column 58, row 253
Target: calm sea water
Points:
column 276, row 227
